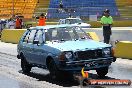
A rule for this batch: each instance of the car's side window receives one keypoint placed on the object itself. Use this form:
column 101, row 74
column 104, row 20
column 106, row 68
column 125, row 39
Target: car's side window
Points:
column 26, row 37
column 39, row 36
column 68, row 21
column 47, row 35
column 31, row 37
column 62, row 21
column 54, row 34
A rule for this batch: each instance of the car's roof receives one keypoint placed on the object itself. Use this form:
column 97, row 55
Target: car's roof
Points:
column 51, row 26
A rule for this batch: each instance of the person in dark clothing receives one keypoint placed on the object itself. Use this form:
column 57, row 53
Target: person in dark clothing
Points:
column 61, row 5
column 106, row 22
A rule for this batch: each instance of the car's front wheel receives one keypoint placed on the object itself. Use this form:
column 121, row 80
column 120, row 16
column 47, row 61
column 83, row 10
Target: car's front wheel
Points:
column 54, row 72
column 26, row 67
column 102, row 71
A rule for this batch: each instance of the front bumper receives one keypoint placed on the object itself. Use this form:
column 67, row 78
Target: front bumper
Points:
column 91, row 64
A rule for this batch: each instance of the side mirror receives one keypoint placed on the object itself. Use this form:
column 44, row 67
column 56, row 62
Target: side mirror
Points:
column 36, row 42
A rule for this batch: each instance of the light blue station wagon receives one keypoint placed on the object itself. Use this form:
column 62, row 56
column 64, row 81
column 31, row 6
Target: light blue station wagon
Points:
column 63, row 48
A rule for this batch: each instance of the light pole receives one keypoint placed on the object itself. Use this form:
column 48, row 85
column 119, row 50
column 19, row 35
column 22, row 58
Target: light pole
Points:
column 12, row 8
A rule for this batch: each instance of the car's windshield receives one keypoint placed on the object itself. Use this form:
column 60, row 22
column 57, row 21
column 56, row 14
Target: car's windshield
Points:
column 73, row 21
column 65, row 34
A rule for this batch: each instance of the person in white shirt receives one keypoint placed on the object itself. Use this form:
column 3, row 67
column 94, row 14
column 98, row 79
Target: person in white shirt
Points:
column 11, row 24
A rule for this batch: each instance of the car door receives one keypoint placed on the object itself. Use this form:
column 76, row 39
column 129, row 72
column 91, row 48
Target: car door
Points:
column 28, row 45
column 39, row 50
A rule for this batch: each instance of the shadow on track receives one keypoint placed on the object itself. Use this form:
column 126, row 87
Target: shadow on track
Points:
column 62, row 82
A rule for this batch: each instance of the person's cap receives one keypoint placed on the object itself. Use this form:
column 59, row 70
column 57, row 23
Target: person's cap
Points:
column 107, row 11
column 42, row 14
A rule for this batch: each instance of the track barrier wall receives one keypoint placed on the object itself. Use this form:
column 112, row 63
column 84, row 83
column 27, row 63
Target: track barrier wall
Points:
column 12, row 35
column 123, row 49
column 94, row 36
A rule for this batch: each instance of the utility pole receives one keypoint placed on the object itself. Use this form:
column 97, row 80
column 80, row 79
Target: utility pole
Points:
column 12, row 8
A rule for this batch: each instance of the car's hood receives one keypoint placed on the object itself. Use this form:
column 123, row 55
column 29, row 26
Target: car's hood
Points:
column 77, row 45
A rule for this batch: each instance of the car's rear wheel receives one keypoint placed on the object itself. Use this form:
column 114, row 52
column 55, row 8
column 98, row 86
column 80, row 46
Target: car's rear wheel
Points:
column 26, row 67
column 102, row 71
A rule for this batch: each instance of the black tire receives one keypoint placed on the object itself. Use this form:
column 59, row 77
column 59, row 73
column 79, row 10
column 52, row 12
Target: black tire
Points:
column 54, row 72
column 26, row 67
column 102, row 71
